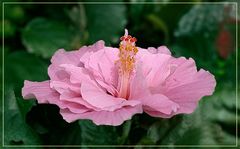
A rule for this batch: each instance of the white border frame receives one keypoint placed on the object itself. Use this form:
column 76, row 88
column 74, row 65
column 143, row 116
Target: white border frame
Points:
column 102, row 146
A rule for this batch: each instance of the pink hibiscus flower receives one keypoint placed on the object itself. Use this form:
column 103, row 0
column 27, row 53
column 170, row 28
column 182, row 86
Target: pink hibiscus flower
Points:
column 109, row 85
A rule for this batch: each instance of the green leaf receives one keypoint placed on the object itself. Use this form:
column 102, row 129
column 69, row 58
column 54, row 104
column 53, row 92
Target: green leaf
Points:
column 9, row 28
column 14, row 13
column 156, row 131
column 200, row 19
column 166, row 13
column 79, row 21
column 17, row 132
column 105, row 22
column 98, row 135
column 221, row 110
column 20, row 66
column 43, row 37
column 191, row 125
column 159, row 25
column 78, row 17
column 47, row 121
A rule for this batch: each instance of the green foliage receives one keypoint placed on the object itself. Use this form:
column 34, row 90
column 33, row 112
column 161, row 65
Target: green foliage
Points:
column 201, row 26
column 201, row 18
column 97, row 135
column 20, row 66
column 188, row 30
column 92, row 134
column 15, row 127
column 43, row 37
column 9, row 28
column 105, row 22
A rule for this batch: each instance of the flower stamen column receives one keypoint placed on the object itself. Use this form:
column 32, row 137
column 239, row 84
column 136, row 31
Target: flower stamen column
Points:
column 127, row 52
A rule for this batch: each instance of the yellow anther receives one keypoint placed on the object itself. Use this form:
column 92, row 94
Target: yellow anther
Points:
column 127, row 52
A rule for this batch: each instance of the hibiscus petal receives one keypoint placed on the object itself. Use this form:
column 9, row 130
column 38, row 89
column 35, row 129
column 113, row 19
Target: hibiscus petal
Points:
column 79, row 100
column 161, row 49
column 40, row 90
column 44, row 94
column 66, row 89
column 138, row 85
column 184, row 73
column 114, row 118
column 77, row 74
column 95, row 96
column 76, row 108
column 186, row 86
column 155, row 67
column 179, row 80
column 159, row 103
column 197, row 85
column 63, row 57
column 70, row 57
column 164, row 50
column 57, row 73
column 102, row 65
column 89, row 50
column 152, row 50
column 187, row 108
column 155, row 102
column 61, row 86
column 103, row 61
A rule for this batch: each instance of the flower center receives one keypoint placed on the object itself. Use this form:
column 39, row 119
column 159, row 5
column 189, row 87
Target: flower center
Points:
column 127, row 52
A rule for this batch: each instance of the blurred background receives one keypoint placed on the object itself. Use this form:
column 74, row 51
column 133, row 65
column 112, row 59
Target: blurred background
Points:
column 206, row 32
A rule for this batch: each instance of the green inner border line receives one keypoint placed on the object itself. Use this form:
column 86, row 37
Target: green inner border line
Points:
column 2, row 74
column 236, row 73
column 106, row 3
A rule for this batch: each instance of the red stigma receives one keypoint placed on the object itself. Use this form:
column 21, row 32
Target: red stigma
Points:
column 122, row 38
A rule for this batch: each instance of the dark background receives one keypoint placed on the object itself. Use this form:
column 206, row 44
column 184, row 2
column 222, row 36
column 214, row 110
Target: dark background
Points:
column 33, row 32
